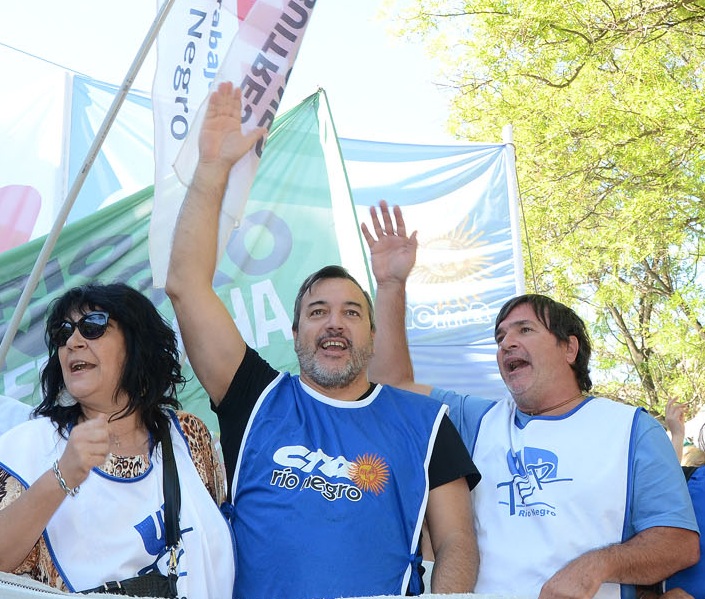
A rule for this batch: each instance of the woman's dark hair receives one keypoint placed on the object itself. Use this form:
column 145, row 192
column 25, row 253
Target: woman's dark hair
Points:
column 151, row 372
column 332, row 271
column 563, row 323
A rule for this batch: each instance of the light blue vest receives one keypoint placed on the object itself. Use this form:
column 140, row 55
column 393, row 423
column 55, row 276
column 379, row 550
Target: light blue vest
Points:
column 328, row 495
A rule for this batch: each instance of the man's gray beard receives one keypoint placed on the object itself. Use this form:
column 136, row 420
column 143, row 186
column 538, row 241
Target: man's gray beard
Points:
column 333, row 379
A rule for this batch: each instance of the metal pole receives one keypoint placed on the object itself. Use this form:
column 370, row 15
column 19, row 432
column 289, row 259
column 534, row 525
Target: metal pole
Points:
column 58, row 225
column 515, row 208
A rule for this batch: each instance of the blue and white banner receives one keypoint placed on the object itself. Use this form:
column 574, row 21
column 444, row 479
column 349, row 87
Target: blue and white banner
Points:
column 48, row 125
column 460, row 200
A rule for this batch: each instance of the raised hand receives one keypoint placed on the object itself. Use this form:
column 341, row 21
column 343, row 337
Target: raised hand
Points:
column 675, row 417
column 221, row 138
column 392, row 252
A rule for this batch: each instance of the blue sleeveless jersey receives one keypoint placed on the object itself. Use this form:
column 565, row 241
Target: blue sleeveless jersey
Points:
column 329, row 495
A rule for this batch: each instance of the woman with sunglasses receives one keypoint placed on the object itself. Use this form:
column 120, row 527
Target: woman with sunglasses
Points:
column 81, row 497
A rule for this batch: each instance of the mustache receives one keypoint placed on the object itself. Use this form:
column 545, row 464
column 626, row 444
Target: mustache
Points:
column 325, row 336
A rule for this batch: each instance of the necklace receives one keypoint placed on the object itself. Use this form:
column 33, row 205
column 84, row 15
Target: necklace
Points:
column 136, row 444
column 558, row 405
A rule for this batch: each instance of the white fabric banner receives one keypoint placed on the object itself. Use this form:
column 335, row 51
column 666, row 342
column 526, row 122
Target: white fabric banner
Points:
column 191, row 44
column 18, row 587
column 259, row 60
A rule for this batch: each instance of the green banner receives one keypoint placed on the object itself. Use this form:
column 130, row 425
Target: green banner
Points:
column 299, row 217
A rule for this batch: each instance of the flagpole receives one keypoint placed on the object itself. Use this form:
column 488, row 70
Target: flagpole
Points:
column 514, row 204
column 61, row 217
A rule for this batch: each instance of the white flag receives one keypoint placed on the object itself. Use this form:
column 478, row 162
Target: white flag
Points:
column 259, row 61
column 191, row 45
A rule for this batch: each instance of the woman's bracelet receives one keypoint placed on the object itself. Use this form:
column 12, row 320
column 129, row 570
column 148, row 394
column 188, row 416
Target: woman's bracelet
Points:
column 62, row 483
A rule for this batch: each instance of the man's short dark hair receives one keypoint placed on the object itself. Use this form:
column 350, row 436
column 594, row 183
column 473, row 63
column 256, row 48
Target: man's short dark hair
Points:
column 332, row 271
column 563, row 323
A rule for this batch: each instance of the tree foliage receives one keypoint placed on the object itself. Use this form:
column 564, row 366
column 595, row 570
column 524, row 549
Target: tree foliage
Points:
column 607, row 105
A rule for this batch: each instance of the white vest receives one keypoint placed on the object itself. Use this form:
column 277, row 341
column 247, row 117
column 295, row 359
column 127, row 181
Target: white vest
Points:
column 111, row 529
column 549, row 492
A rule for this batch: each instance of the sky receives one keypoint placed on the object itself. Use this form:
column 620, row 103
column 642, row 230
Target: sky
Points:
column 379, row 87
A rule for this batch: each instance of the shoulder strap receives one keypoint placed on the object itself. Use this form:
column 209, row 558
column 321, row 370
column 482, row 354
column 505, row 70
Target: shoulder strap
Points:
column 172, row 508
column 172, row 492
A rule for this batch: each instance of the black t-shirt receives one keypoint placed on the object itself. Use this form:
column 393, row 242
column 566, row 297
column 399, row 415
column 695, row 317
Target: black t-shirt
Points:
column 449, row 460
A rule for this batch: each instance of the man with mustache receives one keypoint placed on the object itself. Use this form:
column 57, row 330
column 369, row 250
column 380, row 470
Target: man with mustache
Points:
column 580, row 496
column 329, row 474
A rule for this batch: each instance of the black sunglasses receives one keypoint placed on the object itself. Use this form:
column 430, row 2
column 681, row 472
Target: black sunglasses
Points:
column 91, row 326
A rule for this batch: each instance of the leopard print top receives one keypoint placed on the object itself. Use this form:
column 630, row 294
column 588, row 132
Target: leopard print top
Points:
column 39, row 565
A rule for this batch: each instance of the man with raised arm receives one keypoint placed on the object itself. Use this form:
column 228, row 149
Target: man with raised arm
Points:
column 580, row 496
column 329, row 475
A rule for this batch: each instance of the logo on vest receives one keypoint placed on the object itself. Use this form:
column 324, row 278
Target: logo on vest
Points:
column 306, row 469
column 531, row 470
column 153, row 533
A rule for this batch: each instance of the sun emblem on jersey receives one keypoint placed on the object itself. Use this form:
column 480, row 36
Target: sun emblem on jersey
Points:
column 369, row 473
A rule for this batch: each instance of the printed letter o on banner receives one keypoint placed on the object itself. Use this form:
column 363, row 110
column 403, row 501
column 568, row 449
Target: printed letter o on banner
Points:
column 283, row 241
column 181, row 131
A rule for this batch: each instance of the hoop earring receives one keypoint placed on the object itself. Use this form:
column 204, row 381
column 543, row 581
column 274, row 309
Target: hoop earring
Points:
column 65, row 399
